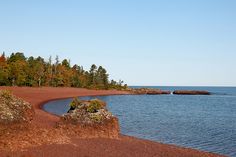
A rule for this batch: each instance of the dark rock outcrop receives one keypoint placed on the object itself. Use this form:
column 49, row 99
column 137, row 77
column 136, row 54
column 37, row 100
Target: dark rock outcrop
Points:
column 149, row 91
column 191, row 92
column 157, row 92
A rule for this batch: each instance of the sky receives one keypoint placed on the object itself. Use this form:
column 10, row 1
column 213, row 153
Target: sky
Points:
column 143, row 42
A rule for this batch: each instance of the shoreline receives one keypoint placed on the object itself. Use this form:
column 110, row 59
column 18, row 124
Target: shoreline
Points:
column 124, row 146
column 40, row 105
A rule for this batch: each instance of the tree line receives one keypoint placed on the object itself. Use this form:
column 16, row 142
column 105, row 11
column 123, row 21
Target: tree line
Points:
column 18, row 70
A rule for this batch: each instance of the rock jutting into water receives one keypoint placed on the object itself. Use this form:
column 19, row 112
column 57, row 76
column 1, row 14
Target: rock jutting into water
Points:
column 191, row 92
column 157, row 92
column 90, row 119
column 148, row 91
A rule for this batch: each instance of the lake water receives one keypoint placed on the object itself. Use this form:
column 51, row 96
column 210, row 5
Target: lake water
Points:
column 202, row 122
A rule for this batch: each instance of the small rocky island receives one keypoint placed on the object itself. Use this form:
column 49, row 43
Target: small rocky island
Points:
column 154, row 91
column 148, row 91
column 191, row 92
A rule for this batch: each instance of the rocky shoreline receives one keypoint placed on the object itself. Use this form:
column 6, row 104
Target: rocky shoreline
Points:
column 151, row 91
column 43, row 137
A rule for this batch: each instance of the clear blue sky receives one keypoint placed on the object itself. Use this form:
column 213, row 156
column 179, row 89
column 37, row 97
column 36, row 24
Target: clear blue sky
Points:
column 148, row 42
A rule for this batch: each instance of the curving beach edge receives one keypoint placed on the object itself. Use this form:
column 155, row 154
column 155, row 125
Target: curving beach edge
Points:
column 74, row 147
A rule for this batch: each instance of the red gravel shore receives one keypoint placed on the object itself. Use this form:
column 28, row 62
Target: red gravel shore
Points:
column 125, row 146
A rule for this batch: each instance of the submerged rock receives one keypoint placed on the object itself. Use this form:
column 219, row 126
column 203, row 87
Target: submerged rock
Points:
column 90, row 119
column 191, row 92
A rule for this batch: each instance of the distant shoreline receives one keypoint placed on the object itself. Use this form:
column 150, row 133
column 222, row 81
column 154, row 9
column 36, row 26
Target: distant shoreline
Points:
column 190, row 86
column 125, row 146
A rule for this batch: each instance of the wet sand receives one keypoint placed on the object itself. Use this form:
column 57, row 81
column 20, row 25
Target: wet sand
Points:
column 125, row 146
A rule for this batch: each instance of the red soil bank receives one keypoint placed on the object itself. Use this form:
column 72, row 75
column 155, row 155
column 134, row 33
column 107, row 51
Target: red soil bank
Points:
column 125, row 146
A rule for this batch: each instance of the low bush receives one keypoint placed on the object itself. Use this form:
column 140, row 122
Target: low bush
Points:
column 94, row 106
column 74, row 103
column 96, row 118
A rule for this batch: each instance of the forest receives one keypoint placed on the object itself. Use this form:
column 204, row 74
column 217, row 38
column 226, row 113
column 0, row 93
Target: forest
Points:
column 18, row 70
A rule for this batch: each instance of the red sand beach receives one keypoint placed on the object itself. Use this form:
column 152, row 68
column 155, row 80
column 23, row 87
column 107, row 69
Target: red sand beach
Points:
column 125, row 146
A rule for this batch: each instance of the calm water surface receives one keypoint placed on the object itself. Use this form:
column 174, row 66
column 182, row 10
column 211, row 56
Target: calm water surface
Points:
column 202, row 122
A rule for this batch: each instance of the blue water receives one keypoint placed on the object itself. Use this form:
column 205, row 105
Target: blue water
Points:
column 202, row 122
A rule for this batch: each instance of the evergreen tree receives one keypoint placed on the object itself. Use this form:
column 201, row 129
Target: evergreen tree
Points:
column 66, row 64
column 92, row 74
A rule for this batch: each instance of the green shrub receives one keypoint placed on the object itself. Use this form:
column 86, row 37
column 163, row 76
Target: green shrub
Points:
column 94, row 106
column 75, row 102
column 96, row 118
